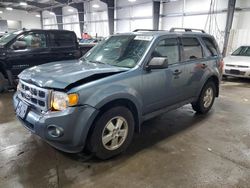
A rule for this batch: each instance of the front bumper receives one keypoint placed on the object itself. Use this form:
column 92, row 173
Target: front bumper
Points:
column 74, row 123
column 236, row 72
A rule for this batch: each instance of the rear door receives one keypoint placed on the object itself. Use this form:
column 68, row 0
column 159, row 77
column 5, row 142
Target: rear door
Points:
column 63, row 45
column 34, row 51
column 212, row 53
column 193, row 56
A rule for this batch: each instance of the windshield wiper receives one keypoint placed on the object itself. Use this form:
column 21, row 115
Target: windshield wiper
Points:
column 97, row 62
column 92, row 61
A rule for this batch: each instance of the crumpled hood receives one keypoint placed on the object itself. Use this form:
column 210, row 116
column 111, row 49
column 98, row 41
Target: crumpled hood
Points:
column 237, row 60
column 63, row 73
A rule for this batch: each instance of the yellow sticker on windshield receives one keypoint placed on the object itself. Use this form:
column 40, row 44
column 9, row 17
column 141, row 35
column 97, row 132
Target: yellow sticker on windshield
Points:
column 141, row 37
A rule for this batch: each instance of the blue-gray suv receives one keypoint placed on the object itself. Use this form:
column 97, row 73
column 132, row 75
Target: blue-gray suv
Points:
column 96, row 103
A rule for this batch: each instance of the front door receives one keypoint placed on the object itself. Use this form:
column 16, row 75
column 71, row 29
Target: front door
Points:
column 164, row 87
column 29, row 49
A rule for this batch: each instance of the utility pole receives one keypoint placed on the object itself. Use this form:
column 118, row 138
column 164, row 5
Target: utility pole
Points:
column 230, row 16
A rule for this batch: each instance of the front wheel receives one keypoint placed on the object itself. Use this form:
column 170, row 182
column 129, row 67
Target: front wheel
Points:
column 206, row 98
column 112, row 133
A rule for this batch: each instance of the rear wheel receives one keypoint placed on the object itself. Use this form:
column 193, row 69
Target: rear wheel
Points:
column 112, row 133
column 2, row 83
column 206, row 99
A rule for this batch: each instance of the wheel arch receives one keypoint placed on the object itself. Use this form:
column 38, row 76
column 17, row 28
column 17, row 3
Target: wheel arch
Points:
column 2, row 69
column 128, row 103
column 216, row 81
column 6, row 73
column 116, row 102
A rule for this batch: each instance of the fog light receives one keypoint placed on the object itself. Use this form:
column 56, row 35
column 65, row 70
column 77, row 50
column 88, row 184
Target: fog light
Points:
column 55, row 131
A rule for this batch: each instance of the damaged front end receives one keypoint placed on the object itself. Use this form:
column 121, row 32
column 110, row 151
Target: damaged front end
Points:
column 51, row 92
column 67, row 74
column 48, row 105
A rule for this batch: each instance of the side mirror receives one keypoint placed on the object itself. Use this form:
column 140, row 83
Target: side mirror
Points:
column 19, row 45
column 157, row 63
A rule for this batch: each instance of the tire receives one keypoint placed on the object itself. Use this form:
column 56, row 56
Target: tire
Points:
column 10, row 78
column 2, row 83
column 225, row 77
column 106, row 139
column 206, row 98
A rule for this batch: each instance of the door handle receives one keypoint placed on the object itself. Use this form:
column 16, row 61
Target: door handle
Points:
column 203, row 66
column 177, row 72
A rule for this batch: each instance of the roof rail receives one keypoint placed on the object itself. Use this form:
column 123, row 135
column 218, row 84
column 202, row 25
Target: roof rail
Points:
column 186, row 29
column 136, row 30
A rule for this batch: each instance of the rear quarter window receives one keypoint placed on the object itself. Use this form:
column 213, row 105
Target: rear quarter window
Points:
column 211, row 46
column 62, row 39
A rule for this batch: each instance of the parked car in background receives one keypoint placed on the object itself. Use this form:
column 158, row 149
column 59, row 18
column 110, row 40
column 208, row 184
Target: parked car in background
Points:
column 87, row 44
column 238, row 63
column 91, row 40
column 27, row 48
column 96, row 103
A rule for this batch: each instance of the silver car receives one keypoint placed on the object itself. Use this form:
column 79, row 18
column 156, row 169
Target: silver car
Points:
column 238, row 63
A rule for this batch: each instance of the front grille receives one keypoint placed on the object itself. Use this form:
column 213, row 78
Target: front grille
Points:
column 36, row 96
column 243, row 66
column 236, row 73
column 239, row 66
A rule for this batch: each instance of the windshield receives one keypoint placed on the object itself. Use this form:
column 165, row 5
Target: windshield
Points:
column 8, row 37
column 120, row 50
column 242, row 51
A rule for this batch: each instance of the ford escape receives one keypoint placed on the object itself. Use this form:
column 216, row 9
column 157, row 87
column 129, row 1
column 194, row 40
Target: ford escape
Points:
column 96, row 103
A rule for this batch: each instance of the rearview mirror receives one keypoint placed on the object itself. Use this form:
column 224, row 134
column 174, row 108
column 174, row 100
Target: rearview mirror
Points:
column 19, row 45
column 157, row 63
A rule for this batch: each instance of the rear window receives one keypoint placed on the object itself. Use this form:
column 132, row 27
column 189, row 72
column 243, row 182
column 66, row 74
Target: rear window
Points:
column 62, row 39
column 191, row 48
column 210, row 46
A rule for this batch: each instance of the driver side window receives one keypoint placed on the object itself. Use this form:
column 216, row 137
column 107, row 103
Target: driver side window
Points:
column 168, row 48
column 30, row 41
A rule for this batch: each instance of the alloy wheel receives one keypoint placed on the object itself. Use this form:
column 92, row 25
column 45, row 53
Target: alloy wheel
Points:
column 208, row 97
column 115, row 133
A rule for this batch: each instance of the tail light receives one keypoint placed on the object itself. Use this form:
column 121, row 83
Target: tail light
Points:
column 221, row 65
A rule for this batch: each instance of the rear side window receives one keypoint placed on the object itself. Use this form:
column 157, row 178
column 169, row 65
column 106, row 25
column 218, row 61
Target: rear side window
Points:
column 191, row 49
column 210, row 46
column 168, row 48
column 62, row 39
